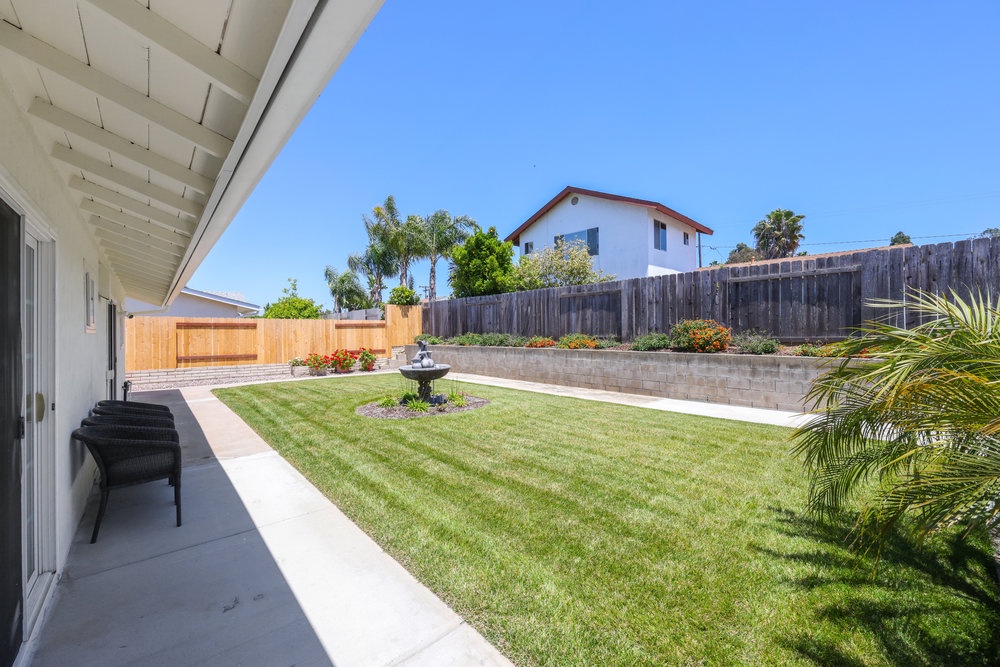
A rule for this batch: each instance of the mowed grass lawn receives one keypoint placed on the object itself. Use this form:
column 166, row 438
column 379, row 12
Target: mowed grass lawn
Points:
column 572, row 532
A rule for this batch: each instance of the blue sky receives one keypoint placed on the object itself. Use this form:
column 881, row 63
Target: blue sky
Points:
column 868, row 118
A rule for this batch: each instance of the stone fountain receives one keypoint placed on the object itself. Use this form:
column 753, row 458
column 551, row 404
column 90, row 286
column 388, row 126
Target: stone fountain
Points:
column 423, row 369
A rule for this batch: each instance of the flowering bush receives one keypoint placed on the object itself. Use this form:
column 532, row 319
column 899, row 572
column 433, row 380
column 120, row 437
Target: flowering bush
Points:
column 316, row 362
column 343, row 360
column 577, row 342
column 540, row 341
column 366, row 359
column 699, row 336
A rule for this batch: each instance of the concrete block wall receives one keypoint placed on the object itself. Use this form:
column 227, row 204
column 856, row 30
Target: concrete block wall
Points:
column 181, row 376
column 773, row 382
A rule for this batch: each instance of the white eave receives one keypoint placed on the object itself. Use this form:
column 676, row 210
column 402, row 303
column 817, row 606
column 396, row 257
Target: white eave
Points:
column 162, row 116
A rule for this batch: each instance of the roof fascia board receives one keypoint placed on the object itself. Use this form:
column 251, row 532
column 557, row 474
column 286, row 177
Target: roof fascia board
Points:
column 300, row 66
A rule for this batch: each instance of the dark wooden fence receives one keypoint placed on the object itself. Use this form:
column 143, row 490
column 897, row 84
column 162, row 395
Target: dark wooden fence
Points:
column 797, row 299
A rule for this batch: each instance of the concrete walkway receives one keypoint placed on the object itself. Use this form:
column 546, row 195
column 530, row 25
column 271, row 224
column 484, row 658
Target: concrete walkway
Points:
column 265, row 570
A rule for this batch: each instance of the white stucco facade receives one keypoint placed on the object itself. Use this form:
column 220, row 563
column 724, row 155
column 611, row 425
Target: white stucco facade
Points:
column 627, row 246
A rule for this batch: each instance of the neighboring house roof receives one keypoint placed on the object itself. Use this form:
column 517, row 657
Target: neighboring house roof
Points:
column 656, row 206
column 160, row 121
column 222, row 297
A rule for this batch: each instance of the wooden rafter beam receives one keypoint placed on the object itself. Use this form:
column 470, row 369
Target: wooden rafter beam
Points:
column 138, row 248
column 126, row 180
column 182, row 225
column 126, row 255
column 114, row 217
column 24, row 45
column 118, row 232
column 225, row 74
column 73, row 124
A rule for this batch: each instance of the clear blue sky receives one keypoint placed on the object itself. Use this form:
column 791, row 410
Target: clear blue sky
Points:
column 869, row 118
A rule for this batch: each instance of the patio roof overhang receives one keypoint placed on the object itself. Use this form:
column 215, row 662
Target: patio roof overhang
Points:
column 162, row 116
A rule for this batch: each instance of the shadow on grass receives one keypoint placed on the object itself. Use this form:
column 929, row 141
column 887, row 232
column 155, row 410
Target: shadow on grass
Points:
column 934, row 603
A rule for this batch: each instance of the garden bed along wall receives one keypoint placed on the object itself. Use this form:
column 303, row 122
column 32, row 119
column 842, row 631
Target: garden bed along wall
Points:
column 759, row 381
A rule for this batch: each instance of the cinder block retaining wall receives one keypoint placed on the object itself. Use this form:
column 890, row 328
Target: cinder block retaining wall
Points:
column 181, row 376
column 774, row 382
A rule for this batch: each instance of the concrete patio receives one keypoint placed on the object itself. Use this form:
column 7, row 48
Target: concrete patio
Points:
column 265, row 570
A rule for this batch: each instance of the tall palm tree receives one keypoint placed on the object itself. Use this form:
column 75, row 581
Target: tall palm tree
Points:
column 346, row 291
column 915, row 431
column 443, row 234
column 404, row 238
column 778, row 235
column 375, row 264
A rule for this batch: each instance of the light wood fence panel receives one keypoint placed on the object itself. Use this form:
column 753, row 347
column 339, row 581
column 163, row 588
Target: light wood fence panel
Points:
column 173, row 342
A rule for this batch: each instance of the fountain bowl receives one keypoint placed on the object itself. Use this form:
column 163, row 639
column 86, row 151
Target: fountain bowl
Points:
column 436, row 372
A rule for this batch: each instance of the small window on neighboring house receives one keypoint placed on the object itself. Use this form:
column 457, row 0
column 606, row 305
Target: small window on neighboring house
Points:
column 660, row 235
column 687, row 239
column 529, row 246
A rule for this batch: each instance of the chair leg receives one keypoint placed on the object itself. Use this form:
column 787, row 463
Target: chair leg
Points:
column 100, row 515
column 177, row 498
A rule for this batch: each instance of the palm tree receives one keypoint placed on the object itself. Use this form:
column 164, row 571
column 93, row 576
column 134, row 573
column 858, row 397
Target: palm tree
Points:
column 375, row 263
column 915, row 431
column 778, row 235
column 406, row 239
column 346, row 291
column 443, row 234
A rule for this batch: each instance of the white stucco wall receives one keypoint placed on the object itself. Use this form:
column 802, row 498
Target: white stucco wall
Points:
column 32, row 186
column 626, row 236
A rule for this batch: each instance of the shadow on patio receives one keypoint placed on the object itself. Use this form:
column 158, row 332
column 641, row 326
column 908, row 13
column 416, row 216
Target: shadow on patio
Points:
column 264, row 571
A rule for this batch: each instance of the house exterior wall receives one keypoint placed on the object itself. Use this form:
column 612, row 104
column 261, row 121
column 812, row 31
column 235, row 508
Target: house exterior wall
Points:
column 186, row 305
column 626, row 236
column 677, row 258
column 76, row 359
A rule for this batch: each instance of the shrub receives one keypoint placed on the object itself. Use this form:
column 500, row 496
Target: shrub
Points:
column 403, row 296
column 317, row 362
column 651, row 342
column 607, row 343
column 756, row 342
column 815, row 350
column 409, row 396
column 489, row 340
column 343, row 360
column 458, row 398
column 387, row 402
column 540, row 341
column 431, row 340
column 576, row 341
column 417, row 405
column 699, row 336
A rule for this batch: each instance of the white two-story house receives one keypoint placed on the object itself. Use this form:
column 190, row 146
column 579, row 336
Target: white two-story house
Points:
column 627, row 237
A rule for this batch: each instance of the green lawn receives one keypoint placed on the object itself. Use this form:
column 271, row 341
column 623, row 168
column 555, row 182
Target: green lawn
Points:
column 572, row 532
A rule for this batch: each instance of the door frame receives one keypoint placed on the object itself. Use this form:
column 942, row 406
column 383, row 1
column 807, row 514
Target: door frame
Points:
column 33, row 222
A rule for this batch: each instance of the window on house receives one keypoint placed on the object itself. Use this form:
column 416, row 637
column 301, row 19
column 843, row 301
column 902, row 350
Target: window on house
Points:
column 687, row 239
column 529, row 246
column 660, row 235
column 588, row 236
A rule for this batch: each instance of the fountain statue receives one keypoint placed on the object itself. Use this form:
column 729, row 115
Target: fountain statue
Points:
column 423, row 369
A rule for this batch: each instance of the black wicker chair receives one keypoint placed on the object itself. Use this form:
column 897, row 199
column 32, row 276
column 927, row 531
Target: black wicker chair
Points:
column 134, row 404
column 129, row 411
column 128, row 455
column 128, row 420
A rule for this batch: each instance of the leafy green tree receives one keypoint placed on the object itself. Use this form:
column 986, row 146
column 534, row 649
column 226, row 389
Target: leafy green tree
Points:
column 741, row 254
column 915, row 431
column 403, row 296
column 899, row 238
column 482, row 265
column 778, row 235
column 991, row 232
column 375, row 264
column 346, row 290
column 292, row 306
column 444, row 233
column 564, row 264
